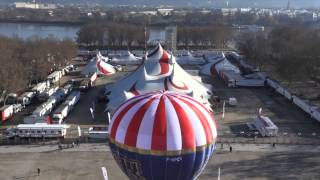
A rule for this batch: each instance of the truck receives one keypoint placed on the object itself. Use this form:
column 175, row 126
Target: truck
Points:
column 54, row 77
column 6, row 112
column 60, row 113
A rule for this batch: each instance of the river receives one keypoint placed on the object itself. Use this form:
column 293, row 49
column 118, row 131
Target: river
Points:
column 29, row 30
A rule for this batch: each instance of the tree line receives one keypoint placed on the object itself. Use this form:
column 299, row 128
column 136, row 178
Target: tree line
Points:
column 26, row 61
column 113, row 35
column 291, row 52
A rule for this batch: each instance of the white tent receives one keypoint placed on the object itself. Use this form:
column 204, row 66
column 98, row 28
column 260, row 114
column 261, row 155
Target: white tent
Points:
column 188, row 58
column 158, row 72
column 129, row 58
column 103, row 58
column 216, row 65
column 98, row 65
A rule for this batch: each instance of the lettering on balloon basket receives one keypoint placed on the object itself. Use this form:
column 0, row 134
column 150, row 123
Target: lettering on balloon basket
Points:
column 174, row 159
column 131, row 167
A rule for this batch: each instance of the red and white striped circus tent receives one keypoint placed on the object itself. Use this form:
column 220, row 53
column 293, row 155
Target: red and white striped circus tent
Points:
column 98, row 65
column 163, row 122
column 128, row 58
column 158, row 72
column 216, row 65
column 187, row 58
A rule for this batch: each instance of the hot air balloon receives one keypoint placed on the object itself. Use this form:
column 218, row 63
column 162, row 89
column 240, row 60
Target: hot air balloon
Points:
column 162, row 136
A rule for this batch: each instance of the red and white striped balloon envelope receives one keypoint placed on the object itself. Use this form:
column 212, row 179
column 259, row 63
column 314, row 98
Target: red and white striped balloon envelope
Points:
column 162, row 135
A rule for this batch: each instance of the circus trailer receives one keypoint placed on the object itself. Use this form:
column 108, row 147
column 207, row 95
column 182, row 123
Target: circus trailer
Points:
column 162, row 135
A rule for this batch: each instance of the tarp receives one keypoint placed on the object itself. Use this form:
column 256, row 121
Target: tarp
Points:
column 158, row 72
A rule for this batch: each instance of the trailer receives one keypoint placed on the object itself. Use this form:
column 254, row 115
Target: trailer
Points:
column 32, row 119
column 6, row 112
column 273, row 84
column 265, row 126
column 73, row 98
column 26, row 98
column 249, row 82
column 85, row 85
column 11, row 98
column 44, row 109
column 17, row 108
column 302, row 104
column 54, row 77
column 316, row 115
column 60, row 113
column 40, row 87
column 47, row 93
column 98, row 132
column 38, row 130
column 67, row 88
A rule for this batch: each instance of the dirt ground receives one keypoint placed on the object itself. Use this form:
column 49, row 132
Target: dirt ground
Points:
column 57, row 165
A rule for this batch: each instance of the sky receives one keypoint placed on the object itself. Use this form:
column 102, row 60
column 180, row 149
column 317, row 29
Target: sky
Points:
column 193, row 3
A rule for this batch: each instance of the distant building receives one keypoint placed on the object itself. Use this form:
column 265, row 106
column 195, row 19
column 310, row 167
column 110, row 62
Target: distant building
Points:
column 165, row 12
column 34, row 5
column 164, row 35
column 171, row 38
column 229, row 11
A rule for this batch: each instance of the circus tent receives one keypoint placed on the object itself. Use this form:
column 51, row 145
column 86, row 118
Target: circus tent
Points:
column 158, row 72
column 188, row 58
column 216, row 65
column 98, row 65
column 128, row 58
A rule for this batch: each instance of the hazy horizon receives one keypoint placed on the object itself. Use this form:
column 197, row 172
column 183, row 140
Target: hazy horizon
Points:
column 190, row 3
